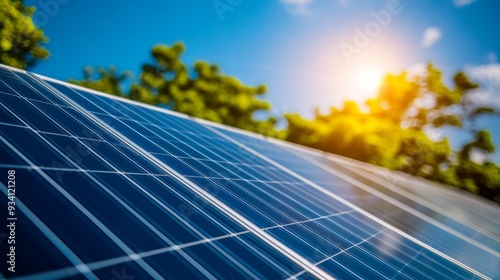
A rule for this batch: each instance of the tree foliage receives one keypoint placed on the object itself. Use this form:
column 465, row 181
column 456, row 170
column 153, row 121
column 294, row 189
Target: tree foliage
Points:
column 20, row 40
column 105, row 80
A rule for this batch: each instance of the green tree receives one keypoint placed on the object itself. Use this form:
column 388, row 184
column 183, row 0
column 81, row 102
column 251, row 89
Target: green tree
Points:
column 477, row 175
column 426, row 102
column 20, row 40
column 105, row 80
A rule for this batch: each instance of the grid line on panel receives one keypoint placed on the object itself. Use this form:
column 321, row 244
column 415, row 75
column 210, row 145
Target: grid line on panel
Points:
column 30, row 101
column 79, row 266
column 341, row 252
column 476, row 202
column 201, row 192
column 86, row 212
column 78, row 139
column 401, row 205
column 423, row 202
column 264, row 192
column 68, row 271
column 83, row 170
column 13, row 125
column 400, row 271
column 361, row 249
column 283, row 194
column 306, row 242
column 340, row 199
column 351, row 175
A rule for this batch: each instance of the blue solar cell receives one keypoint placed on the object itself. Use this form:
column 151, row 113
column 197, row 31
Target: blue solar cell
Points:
column 365, row 269
column 69, row 122
column 66, row 220
column 8, row 156
column 128, row 270
column 158, row 189
column 122, row 157
column 29, row 240
column 243, row 253
column 163, row 264
column 29, row 143
column 76, row 96
column 338, row 270
column 466, row 230
column 28, row 113
column 7, row 116
column 18, row 87
column 79, row 152
column 102, row 203
column 40, row 90
column 89, row 130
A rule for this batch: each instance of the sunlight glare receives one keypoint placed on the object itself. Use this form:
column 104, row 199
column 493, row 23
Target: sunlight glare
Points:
column 368, row 81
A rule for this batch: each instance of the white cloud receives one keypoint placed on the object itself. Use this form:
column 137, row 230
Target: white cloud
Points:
column 487, row 73
column 298, row 7
column 478, row 156
column 488, row 76
column 434, row 134
column 431, row 36
column 419, row 69
column 461, row 3
column 489, row 97
column 302, row 7
column 344, row 2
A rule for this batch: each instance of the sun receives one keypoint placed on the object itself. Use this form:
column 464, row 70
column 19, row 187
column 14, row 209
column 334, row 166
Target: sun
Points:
column 368, row 80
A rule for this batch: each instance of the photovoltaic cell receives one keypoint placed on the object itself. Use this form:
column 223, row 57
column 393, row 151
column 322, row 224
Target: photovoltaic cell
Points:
column 110, row 187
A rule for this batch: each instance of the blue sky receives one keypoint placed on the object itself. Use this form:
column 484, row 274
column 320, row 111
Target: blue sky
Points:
column 308, row 52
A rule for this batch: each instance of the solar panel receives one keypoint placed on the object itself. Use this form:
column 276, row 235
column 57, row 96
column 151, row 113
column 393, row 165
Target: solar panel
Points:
column 110, row 188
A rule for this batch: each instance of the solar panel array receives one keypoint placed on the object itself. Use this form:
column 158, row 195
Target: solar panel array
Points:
column 106, row 188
